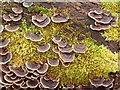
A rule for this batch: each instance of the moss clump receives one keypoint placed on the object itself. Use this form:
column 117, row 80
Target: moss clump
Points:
column 97, row 61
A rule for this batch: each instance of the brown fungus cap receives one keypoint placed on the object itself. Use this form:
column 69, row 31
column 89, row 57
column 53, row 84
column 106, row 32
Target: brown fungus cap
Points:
column 32, row 65
column 5, row 58
column 18, row 71
column 3, row 51
column 15, row 17
column 27, row 4
column 53, row 62
column 43, row 47
column 11, row 28
column 43, row 69
column 67, row 57
column 79, row 48
column 59, row 18
column 4, row 42
column 18, row 10
column 4, row 68
column 48, row 83
column 62, row 43
column 1, row 28
column 65, row 64
column 6, row 17
column 56, row 38
column 41, row 22
column 55, row 50
column 32, row 83
column 33, row 36
column 66, row 49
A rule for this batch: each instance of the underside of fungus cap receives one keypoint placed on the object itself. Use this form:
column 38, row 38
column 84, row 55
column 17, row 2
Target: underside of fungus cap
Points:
column 48, row 83
column 41, row 22
column 11, row 28
column 4, row 68
column 1, row 28
column 5, row 58
column 18, row 71
column 43, row 69
column 33, row 36
column 43, row 47
column 27, row 4
column 59, row 18
column 67, row 57
column 79, row 48
column 97, row 82
column 66, row 49
column 32, row 65
column 6, row 17
column 53, row 62
column 4, row 42
column 108, row 82
column 32, row 83
column 18, row 10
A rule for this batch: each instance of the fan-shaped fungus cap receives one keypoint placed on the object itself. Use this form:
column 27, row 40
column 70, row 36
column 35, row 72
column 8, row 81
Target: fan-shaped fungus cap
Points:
column 40, row 21
column 23, row 85
column 1, row 28
column 59, row 18
column 33, row 36
column 53, row 62
column 56, row 38
column 4, row 68
column 97, row 82
column 18, row 71
column 79, row 48
column 40, row 18
column 93, row 15
column 6, row 17
column 9, row 79
column 62, row 43
column 43, row 47
column 18, row 10
column 108, row 82
column 33, row 83
column 65, row 64
column 32, row 65
column 55, row 49
column 5, row 58
column 15, row 17
column 27, row 4
column 43, row 69
column 3, row 51
column 67, row 57
column 19, row 1
column 4, row 42
column 48, row 83
column 11, row 28
column 19, row 82
column 98, row 11
column 66, row 49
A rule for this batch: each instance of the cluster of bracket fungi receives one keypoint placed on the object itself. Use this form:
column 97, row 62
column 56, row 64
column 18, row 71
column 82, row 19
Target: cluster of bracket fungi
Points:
column 33, row 75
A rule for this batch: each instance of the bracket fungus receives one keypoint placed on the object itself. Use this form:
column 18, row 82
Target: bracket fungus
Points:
column 6, row 17
column 4, row 68
column 32, row 65
column 27, row 4
column 53, row 62
column 43, row 47
column 59, row 18
column 3, row 51
column 103, row 18
column 5, row 58
column 56, row 38
column 18, row 10
column 11, row 28
column 49, row 84
column 33, row 83
column 66, row 49
column 33, row 37
column 1, row 28
column 15, row 17
column 62, row 43
column 43, row 69
column 41, row 20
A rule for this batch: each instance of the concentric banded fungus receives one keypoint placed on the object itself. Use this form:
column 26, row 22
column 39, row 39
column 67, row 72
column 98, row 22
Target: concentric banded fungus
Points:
column 59, row 18
column 55, row 49
column 67, row 57
column 27, row 4
column 18, row 71
column 17, row 10
column 5, row 58
column 97, row 82
column 4, row 42
column 41, row 21
column 79, row 48
column 56, row 39
column 11, row 28
column 43, row 47
column 4, row 68
column 108, row 83
column 15, row 17
column 48, row 83
column 66, row 49
column 33, row 83
column 1, row 28
column 3, row 51
column 32, row 65
column 53, row 62
column 9, row 79
column 65, row 64
column 6, row 17
column 62, row 43
column 43, row 69
column 33, row 36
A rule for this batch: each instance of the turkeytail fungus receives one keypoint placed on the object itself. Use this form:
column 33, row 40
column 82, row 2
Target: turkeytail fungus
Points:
column 27, row 4
column 43, row 69
column 1, row 28
column 18, row 10
column 53, row 62
column 43, row 47
column 11, row 28
column 4, row 42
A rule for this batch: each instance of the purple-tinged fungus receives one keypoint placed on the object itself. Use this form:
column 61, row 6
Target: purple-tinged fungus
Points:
column 18, row 10
column 66, row 49
column 32, row 83
column 1, row 28
column 53, row 62
column 4, row 42
column 11, row 28
column 43, row 69
column 27, row 4
column 43, row 47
